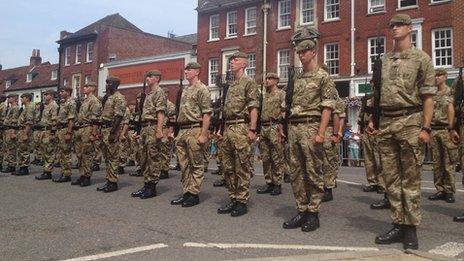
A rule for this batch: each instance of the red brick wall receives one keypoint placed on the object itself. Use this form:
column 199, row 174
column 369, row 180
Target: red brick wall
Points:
column 458, row 32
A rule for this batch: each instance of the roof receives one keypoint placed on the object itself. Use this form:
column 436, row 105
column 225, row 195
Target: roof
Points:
column 188, row 38
column 209, row 5
column 114, row 20
column 41, row 77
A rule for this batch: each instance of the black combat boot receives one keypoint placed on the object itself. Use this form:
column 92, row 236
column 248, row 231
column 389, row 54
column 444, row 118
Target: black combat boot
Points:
column 120, row 170
column 327, row 195
column 277, row 190
column 205, row 169
column 164, row 174
column 371, row 188
column 449, row 197
column 85, row 182
column 296, row 221
column 139, row 192
column 219, row 183
column 227, row 208
column 440, row 195
column 150, row 191
column 137, row 173
column 410, row 237
column 77, row 181
column 45, row 175
column 130, row 163
column 102, row 188
column 23, row 171
column 177, row 167
column 382, row 204
column 395, row 235
column 312, row 222
column 265, row 189
column 9, row 169
column 112, row 186
column 181, row 199
column 287, row 178
column 239, row 210
column 459, row 218
column 62, row 179
column 191, row 200
column 96, row 167
column 35, row 161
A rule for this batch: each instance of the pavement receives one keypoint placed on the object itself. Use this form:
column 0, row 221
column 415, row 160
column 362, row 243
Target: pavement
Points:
column 42, row 220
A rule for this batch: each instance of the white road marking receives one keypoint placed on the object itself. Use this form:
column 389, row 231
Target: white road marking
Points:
column 450, row 249
column 118, row 253
column 360, row 184
column 274, row 246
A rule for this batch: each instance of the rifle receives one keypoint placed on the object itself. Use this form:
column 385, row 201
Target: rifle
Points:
column 362, row 113
column 289, row 99
column 138, row 127
column 458, row 97
column 42, row 106
column 377, row 82
column 225, row 89
column 261, row 98
column 178, row 101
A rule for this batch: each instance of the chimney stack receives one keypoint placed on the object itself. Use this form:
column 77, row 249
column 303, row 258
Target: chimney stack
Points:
column 63, row 34
column 35, row 58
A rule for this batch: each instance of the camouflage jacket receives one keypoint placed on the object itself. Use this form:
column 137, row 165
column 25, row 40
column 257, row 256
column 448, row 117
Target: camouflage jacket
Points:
column 27, row 115
column 195, row 102
column 154, row 102
column 49, row 114
column 67, row 111
column 115, row 106
column 3, row 110
column 11, row 117
column 440, row 107
column 90, row 111
column 272, row 105
column 242, row 95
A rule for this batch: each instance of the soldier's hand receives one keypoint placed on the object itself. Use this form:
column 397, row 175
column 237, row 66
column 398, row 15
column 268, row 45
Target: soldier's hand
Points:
column 335, row 139
column 135, row 136
column 424, row 137
column 454, row 136
column 13, row 136
column 122, row 138
column 67, row 137
column 251, row 136
column 171, row 136
column 318, row 139
column 202, row 139
column 370, row 128
column 93, row 137
column 158, row 135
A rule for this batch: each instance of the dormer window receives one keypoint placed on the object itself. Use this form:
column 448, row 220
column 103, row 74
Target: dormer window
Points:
column 29, row 77
column 7, row 84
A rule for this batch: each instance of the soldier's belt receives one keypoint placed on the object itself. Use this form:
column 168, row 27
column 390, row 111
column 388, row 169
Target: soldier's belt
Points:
column 60, row 126
column 235, row 121
column 81, row 126
column 389, row 112
column 149, row 123
column 9, row 127
column 270, row 122
column 106, row 124
column 310, row 119
column 189, row 126
column 442, row 126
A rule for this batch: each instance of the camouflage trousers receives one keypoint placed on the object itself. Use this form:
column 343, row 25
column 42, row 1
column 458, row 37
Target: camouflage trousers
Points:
column 10, row 146
column 97, row 156
column 47, row 149
column 236, row 162
column 135, row 149
column 191, row 159
column 401, row 157
column 445, row 156
column 372, row 161
column 24, row 150
column 2, row 148
column 331, row 160
column 124, row 152
column 36, row 144
column 219, row 157
column 63, row 152
column 151, row 160
column 110, row 151
column 85, row 151
column 306, row 161
column 166, row 155
column 272, row 150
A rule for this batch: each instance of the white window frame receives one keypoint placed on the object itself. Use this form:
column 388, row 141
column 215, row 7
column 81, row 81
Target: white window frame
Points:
column 7, row 84
column 407, row 7
column 326, row 6
column 212, row 80
column 434, row 2
column 327, row 61
column 211, row 17
column 230, row 25
column 250, row 29
column 434, row 57
column 417, row 26
column 78, row 54
column 280, row 14
column 65, row 82
column 76, row 84
column 283, row 74
column 370, row 7
column 251, row 68
column 87, row 79
column 67, row 56
column 371, row 55
column 89, row 52
column 29, row 77
column 54, row 75
column 302, row 10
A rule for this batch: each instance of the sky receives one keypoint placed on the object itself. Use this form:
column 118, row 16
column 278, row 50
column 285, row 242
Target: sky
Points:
column 29, row 24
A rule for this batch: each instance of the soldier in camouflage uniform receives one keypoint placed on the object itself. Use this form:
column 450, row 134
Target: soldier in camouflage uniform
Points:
column 153, row 135
column 25, row 122
column 445, row 141
column 135, row 142
column 191, row 142
column 166, row 151
column 47, row 135
column 10, row 142
column 36, row 135
column 241, row 115
column 333, row 136
column 271, row 141
column 114, row 109
column 64, row 132
column 87, row 133
column 3, row 111
column 408, row 81
column 124, row 143
column 311, row 109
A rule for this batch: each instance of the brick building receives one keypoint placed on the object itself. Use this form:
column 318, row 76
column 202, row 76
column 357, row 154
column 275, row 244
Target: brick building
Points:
column 34, row 78
column 110, row 39
column 262, row 28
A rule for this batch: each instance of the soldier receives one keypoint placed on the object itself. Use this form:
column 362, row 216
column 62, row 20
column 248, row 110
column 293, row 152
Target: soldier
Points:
column 241, row 115
column 37, row 129
column 124, row 144
column 333, row 136
column 47, row 135
column 64, row 132
column 135, row 142
column 3, row 111
column 271, row 142
column 25, row 122
column 191, row 142
column 311, row 109
column 10, row 136
column 166, row 151
column 114, row 108
column 152, row 135
column 87, row 133
column 445, row 140
column 407, row 90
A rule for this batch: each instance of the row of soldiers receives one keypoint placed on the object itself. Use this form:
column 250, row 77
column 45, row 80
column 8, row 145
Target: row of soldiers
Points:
column 308, row 116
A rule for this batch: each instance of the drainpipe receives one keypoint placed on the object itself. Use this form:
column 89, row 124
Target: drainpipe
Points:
column 265, row 9
column 352, row 92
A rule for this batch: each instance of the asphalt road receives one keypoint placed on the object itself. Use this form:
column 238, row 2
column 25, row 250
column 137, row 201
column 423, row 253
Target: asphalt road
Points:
column 41, row 220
